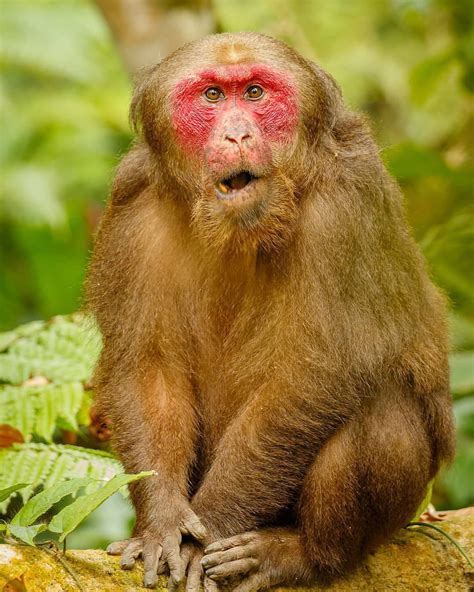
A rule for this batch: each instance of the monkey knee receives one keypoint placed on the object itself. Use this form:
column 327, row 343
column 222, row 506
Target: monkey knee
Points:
column 364, row 484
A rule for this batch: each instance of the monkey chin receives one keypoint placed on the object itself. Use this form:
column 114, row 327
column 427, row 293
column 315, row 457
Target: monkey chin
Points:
column 257, row 212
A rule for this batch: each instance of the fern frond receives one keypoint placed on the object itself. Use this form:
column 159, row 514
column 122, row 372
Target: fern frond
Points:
column 47, row 464
column 62, row 350
column 38, row 410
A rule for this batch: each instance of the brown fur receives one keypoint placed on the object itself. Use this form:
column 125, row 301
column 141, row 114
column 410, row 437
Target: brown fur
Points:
column 286, row 369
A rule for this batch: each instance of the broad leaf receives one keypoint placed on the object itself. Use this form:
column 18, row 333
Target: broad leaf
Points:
column 43, row 501
column 46, row 465
column 25, row 533
column 71, row 516
column 8, row 491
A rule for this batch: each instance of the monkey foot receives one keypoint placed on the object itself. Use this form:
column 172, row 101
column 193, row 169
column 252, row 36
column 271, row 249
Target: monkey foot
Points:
column 257, row 560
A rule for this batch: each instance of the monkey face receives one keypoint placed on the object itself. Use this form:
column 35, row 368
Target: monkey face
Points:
column 227, row 118
column 236, row 119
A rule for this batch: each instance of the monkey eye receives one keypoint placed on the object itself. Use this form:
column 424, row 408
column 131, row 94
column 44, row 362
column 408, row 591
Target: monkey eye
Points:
column 213, row 94
column 254, row 92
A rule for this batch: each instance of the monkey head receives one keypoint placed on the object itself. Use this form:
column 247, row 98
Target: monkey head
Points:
column 232, row 121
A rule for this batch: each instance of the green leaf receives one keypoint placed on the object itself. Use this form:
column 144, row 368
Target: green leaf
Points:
column 7, row 492
column 6, row 338
column 69, row 518
column 46, row 465
column 425, row 503
column 63, row 350
column 462, row 372
column 25, row 533
column 43, row 501
column 38, row 410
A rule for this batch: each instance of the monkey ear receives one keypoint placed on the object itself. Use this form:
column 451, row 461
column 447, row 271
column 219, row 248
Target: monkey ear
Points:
column 143, row 82
column 329, row 101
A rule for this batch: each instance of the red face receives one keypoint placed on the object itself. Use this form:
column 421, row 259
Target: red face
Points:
column 234, row 118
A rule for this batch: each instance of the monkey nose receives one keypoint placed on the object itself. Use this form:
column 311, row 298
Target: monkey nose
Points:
column 237, row 137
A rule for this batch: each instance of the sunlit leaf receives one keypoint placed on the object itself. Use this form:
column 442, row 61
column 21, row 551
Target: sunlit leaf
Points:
column 43, row 501
column 25, row 533
column 8, row 491
column 71, row 516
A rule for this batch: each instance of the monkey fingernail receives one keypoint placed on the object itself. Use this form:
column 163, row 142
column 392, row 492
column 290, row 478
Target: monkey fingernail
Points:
column 150, row 580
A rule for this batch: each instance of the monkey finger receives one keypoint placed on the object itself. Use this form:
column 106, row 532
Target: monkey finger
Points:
column 191, row 525
column 133, row 550
column 218, row 557
column 151, row 559
column 209, row 585
column 252, row 583
column 235, row 541
column 171, row 553
column 195, row 574
column 232, row 568
column 187, row 552
column 118, row 547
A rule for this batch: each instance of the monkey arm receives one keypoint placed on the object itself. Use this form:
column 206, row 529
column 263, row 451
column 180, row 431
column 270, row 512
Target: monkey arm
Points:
column 155, row 427
column 263, row 457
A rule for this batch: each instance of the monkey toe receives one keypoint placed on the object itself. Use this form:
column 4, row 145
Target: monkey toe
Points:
column 231, row 569
column 255, row 582
column 118, row 547
column 130, row 553
column 235, row 556
column 235, row 541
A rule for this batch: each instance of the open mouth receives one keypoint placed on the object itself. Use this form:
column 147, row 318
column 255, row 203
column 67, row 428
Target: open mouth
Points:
column 230, row 186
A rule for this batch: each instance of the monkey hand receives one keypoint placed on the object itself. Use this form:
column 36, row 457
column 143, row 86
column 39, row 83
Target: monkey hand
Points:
column 159, row 546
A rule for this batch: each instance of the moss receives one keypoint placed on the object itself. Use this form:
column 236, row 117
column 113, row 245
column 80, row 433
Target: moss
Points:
column 412, row 561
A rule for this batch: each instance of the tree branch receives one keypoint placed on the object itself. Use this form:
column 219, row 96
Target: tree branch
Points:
column 145, row 31
column 413, row 560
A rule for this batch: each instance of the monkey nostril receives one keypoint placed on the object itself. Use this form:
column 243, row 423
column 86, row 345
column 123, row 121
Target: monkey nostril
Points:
column 237, row 138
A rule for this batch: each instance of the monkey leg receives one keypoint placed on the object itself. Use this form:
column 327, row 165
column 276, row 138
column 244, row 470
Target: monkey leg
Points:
column 365, row 483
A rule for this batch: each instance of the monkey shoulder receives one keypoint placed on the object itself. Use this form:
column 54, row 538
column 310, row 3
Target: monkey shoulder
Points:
column 133, row 175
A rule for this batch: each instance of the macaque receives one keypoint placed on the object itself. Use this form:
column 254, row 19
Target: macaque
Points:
column 274, row 348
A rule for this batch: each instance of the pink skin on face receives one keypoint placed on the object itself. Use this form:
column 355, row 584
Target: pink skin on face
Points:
column 201, row 126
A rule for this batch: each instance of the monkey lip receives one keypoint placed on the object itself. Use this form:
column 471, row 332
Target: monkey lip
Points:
column 232, row 187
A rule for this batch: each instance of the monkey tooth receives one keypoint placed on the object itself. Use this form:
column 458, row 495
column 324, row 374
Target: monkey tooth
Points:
column 235, row 183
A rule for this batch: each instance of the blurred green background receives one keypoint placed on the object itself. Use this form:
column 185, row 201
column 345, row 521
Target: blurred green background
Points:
column 66, row 85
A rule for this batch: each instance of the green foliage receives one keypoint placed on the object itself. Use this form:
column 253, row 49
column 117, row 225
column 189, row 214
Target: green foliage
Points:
column 39, row 410
column 40, row 503
column 462, row 373
column 8, row 491
column 69, row 517
column 56, row 359
column 62, row 350
column 47, row 465
column 64, row 102
column 456, row 483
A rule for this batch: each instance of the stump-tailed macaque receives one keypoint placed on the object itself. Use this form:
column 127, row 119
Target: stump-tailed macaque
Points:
column 273, row 346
